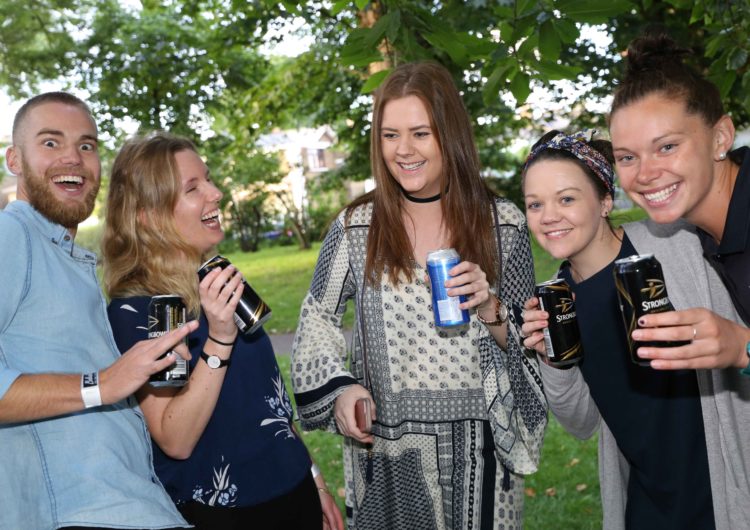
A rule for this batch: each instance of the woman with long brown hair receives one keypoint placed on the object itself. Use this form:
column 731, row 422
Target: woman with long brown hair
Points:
column 224, row 444
column 458, row 413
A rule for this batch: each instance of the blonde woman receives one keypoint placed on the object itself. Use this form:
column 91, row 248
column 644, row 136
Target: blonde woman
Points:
column 224, row 444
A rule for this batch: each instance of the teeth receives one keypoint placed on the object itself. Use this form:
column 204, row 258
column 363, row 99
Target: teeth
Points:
column 68, row 179
column 662, row 195
column 412, row 166
column 214, row 214
column 557, row 233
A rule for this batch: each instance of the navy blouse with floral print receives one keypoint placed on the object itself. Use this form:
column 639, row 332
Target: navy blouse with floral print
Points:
column 249, row 452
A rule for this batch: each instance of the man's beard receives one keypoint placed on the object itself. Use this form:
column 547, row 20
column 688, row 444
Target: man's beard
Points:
column 65, row 213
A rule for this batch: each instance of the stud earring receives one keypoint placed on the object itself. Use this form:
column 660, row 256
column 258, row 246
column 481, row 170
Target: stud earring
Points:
column 722, row 156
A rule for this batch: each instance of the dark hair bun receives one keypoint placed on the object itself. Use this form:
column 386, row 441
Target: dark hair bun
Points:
column 653, row 51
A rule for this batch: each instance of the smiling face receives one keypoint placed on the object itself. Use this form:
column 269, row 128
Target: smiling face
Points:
column 563, row 208
column 410, row 147
column 665, row 157
column 196, row 214
column 57, row 162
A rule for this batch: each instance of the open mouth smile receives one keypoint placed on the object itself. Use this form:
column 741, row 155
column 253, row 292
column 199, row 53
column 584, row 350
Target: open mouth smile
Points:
column 660, row 196
column 211, row 218
column 556, row 234
column 69, row 182
column 413, row 166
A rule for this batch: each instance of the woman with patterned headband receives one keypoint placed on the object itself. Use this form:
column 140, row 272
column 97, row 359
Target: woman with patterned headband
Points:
column 653, row 458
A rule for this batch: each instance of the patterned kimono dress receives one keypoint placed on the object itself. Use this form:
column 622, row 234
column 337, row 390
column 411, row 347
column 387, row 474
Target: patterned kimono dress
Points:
column 459, row 420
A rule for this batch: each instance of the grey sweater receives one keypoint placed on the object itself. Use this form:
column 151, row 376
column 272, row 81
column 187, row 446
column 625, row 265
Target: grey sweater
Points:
column 725, row 394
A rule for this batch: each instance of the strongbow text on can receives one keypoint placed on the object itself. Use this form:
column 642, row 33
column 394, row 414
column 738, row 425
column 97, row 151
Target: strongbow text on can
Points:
column 562, row 338
column 251, row 312
column 641, row 290
column 446, row 310
column 165, row 313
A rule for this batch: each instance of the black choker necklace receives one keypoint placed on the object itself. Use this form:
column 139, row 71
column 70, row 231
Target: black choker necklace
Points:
column 419, row 199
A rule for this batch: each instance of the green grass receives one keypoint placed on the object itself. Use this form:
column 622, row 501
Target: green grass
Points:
column 281, row 276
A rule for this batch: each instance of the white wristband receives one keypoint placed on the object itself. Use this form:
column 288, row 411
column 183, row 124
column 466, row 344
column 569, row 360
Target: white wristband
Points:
column 90, row 390
column 315, row 470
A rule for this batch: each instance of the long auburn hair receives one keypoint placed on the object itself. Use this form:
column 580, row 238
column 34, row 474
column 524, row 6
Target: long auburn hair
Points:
column 144, row 254
column 465, row 200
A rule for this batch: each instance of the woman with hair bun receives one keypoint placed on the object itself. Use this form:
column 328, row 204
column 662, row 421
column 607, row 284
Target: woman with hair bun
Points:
column 459, row 413
column 653, row 459
column 672, row 143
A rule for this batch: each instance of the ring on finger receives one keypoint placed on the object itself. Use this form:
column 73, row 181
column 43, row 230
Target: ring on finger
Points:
column 695, row 332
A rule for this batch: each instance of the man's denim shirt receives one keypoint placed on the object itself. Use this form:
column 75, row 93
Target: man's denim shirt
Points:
column 90, row 468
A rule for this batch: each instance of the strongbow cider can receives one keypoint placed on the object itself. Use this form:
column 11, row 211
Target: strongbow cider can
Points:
column 641, row 290
column 165, row 313
column 447, row 312
column 251, row 312
column 562, row 338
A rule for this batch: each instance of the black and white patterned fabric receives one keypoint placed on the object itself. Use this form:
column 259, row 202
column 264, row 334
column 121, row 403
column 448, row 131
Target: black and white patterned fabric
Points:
column 457, row 416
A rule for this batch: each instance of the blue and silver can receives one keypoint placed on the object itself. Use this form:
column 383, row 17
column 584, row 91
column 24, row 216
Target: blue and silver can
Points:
column 447, row 312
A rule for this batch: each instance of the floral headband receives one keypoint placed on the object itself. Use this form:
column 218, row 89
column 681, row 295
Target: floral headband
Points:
column 577, row 144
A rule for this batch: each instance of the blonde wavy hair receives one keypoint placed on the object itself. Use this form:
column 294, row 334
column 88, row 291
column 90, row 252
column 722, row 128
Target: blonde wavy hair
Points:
column 144, row 254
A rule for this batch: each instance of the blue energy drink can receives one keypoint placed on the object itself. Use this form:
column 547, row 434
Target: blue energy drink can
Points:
column 447, row 312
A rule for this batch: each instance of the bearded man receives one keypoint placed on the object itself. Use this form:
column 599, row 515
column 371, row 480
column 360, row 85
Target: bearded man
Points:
column 74, row 450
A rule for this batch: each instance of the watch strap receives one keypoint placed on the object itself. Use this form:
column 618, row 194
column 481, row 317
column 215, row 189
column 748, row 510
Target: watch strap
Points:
column 211, row 360
column 501, row 314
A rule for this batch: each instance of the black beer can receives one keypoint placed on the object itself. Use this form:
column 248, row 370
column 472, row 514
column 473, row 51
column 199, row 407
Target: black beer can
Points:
column 165, row 313
column 251, row 312
column 641, row 291
column 562, row 338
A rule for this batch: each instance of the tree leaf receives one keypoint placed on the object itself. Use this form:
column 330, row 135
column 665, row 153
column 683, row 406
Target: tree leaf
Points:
column 375, row 34
column 737, row 59
column 498, row 76
column 374, row 81
column 566, row 29
column 697, row 13
column 361, row 4
column 519, row 87
column 394, row 24
column 549, row 42
column 724, row 81
column 449, row 44
column 593, row 11
column 525, row 7
column 339, row 6
column 715, row 44
column 551, row 70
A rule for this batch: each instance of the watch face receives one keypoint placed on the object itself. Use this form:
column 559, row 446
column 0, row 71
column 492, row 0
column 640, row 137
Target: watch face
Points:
column 502, row 312
column 213, row 361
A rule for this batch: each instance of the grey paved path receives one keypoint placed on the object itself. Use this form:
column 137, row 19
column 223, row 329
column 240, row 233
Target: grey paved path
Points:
column 282, row 344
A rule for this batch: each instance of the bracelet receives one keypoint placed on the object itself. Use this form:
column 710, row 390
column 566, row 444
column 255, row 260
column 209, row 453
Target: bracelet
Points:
column 315, row 470
column 325, row 490
column 219, row 342
column 90, row 390
column 746, row 370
